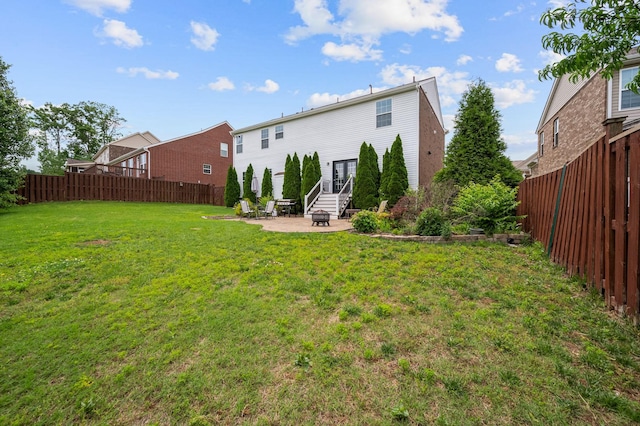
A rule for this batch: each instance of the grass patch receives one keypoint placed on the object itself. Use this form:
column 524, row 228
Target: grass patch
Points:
column 133, row 313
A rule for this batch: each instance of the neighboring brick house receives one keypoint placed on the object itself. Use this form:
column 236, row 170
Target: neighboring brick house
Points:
column 336, row 131
column 577, row 114
column 201, row 157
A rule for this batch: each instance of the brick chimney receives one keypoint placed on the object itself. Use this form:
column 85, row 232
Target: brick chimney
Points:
column 613, row 126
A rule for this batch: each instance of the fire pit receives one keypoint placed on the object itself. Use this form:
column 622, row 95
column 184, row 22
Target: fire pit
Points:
column 320, row 216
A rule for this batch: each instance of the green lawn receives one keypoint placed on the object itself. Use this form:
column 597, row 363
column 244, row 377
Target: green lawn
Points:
column 127, row 313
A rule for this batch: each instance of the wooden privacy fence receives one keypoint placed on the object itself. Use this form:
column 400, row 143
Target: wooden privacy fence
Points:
column 81, row 186
column 588, row 217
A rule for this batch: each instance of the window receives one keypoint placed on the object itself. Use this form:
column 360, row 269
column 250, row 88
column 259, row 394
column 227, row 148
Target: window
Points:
column 206, row 169
column 239, row 144
column 224, row 149
column 541, row 143
column 280, row 131
column 383, row 113
column 556, row 130
column 628, row 99
column 264, row 137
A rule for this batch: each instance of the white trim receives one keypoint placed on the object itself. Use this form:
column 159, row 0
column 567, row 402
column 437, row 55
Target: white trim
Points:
column 620, row 88
column 609, row 98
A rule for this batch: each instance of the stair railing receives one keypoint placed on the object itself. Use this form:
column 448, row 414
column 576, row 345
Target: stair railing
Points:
column 344, row 196
column 312, row 196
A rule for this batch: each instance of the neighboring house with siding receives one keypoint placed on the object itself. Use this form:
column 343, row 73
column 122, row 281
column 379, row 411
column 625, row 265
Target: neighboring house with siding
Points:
column 336, row 132
column 200, row 157
column 111, row 151
column 577, row 114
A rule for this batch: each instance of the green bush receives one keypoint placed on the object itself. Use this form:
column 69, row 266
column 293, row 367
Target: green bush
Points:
column 491, row 207
column 365, row 221
column 432, row 222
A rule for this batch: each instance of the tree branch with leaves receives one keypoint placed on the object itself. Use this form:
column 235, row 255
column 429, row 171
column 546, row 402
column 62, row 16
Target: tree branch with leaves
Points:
column 605, row 33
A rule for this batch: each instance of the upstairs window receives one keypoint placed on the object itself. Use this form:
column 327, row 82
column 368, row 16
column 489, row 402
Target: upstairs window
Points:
column 541, row 144
column 280, row 131
column 206, row 169
column 383, row 113
column 628, row 99
column 556, row 131
column 239, row 144
column 264, row 137
column 224, row 149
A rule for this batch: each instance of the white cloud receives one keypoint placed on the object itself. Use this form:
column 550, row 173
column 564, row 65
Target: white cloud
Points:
column 517, row 10
column 554, row 4
column 320, row 99
column 451, row 84
column 269, row 87
column 351, row 52
column 361, row 23
column 120, row 35
column 147, row 73
column 464, row 60
column 512, row 93
column 204, row 37
column 221, row 84
column 405, row 49
column 549, row 57
column 508, row 62
column 97, row 7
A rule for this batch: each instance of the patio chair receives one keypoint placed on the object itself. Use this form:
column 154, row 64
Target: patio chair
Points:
column 268, row 210
column 246, row 210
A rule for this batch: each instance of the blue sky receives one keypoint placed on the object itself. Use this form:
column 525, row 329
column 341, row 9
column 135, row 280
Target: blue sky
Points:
column 176, row 67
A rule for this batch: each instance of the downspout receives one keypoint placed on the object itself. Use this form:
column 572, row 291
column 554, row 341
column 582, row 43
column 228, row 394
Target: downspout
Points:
column 148, row 161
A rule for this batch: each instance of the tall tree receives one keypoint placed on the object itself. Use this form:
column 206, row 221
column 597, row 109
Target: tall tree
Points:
column 307, row 180
column 246, row 185
column 72, row 131
column 287, row 184
column 365, row 191
column 398, row 176
column 316, row 166
column 476, row 151
column 231, row 188
column 297, row 181
column 374, row 168
column 267, row 183
column 15, row 143
column 384, row 176
column 606, row 31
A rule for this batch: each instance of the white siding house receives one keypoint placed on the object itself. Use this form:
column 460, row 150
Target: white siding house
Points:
column 336, row 132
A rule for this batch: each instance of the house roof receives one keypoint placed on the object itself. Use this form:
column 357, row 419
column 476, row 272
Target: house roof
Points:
column 427, row 85
column 145, row 148
column 134, row 140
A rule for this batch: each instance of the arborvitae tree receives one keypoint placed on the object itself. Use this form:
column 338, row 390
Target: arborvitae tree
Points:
column 384, row 176
column 231, row 188
column 304, row 184
column 287, row 185
column 246, row 186
column 308, row 179
column 398, row 178
column 476, row 151
column 316, row 167
column 297, row 180
column 375, row 169
column 267, row 183
column 365, row 190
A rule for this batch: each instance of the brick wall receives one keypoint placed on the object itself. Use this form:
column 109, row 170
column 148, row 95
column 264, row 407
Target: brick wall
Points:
column 116, row 151
column 431, row 142
column 580, row 124
column 182, row 159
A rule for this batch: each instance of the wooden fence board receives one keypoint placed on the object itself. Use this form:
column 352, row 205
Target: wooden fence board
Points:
column 81, row 186
column 597, row 231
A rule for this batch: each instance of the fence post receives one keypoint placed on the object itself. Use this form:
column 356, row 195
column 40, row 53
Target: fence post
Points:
column 557, row 209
